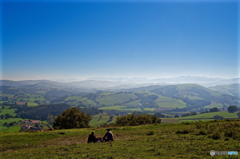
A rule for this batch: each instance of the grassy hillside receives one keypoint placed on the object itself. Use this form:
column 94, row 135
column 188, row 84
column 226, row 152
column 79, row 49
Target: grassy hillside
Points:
column 163, row 101
column 211, row 115
column 183, row 140
column 97, row 120
column 116, row 98
column 232, row 89
column 6, row 110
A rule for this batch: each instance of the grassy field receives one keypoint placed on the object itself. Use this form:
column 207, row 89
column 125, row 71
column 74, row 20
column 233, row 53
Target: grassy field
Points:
column 97, row 120
column 211, row 115
column 133, row 103
column 214, row 104
column 163, row 101
column 16, row 128
column 194, row 120
column 113, row 108
column 182, row 140
column 6, row 110
column 116, row 98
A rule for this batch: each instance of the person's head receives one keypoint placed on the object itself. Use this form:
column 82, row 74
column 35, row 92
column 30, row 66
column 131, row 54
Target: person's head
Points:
column 93, row 132
column 108, row 129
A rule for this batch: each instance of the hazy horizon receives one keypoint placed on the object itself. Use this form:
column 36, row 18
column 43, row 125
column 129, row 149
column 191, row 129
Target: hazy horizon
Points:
column 119, row 39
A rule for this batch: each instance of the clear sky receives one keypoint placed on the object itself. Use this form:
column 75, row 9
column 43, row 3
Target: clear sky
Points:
column 157, row 39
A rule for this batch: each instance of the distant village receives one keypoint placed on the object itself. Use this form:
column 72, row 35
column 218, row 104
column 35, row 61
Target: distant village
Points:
column 30, row 127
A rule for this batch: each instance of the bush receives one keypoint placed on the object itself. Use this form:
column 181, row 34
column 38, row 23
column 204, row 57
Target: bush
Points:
column 202, row 132
column 232, row 109
column 218, row 117
column 133, row 120
column 72, row 118
column 215, row 109
column 216, row 135
column 228, row 133
column 150, row 133
column 185, row 131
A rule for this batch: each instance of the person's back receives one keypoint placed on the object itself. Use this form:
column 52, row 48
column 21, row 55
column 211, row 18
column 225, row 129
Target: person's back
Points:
column 109, row 135
column 92, row 138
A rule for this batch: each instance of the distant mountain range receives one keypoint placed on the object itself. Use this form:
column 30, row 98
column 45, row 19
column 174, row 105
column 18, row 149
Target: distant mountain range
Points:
column 116, row 84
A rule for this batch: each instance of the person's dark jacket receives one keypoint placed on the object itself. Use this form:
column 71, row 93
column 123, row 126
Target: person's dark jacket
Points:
column 92, row 138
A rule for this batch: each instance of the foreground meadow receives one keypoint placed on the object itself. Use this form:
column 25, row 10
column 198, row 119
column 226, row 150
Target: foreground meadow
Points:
column 182, row 140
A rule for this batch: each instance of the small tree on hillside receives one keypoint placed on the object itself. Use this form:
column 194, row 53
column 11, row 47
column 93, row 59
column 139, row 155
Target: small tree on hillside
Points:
column 72, row 118
column 111, row 117
column 215, row 109
column 238, row 114
column 232, row 109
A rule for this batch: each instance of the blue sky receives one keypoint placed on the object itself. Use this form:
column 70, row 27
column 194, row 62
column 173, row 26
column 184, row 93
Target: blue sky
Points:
column 157, row 39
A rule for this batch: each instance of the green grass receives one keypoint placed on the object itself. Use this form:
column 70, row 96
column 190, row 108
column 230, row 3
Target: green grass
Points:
column 191, row 97
column 113, row 108
column 97, row 121
column 6, row 110
column 194, row 120
column 214, row 104
column 32, row 104
column 133, row 103
column 14, row 128
column 163, row 101
column 211, row 115
column 9, row 120
column 3, row 128
column 149, row 109
column 182, row 140
column 106, row 94
column 116, row 98
column 7, row 95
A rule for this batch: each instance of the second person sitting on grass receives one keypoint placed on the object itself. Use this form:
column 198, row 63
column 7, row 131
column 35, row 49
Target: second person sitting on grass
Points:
column 109, row 136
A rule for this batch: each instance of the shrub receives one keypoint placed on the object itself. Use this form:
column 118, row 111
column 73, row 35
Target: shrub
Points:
column 228, row 133
column 202, row 132
column 72, row 118
column 150, row 133
column 216, row 135
column 232, row 109
column 185, row 131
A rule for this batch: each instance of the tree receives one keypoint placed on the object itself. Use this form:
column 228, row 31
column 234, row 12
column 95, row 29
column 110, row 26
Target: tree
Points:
column 214, row 109
column 232, row 109
column 50, row 119
column 238, row 114
column 176, row 116
column 111, row 117
column 218, row 117
column 72, row 118
column 2, row 116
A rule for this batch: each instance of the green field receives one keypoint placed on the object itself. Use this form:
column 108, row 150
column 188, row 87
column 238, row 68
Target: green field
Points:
column 163, row 101
column 123, row 108
column 113, row 108
column 3, row 128
column 6, row 110
column 214, row 104
column 116, row 98
column 9, row 120
column 182, row 140
column 133, row 103
column 211, row 115
column 14, row 128
column 97, row 120
column 194, row 120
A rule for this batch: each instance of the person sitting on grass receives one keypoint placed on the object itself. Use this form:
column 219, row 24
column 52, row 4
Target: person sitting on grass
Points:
column 109, row 136
column 92, row 138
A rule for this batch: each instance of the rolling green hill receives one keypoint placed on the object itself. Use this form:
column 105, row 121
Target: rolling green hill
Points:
column 233, row 89
column 116, row 98
column 182, row 140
